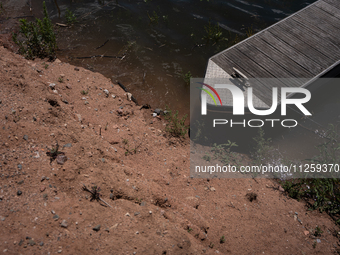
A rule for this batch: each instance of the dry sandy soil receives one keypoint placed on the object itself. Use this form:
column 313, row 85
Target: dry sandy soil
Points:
column 143, row 173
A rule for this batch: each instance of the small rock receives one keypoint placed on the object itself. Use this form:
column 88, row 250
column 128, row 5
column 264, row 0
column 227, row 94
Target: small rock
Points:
column 64, row 224
column 61, row 159
column 68, row 145
column 19, row 192
column 2, row 218
column 281, row 189
column 158, row 111
column 154, row 114
column 137, row 213
column 143, row 204
column 52, row 85
column 76, row 68
column 97, row 228
column 111, row 196
column 150, row 212
column 19, row 166
column 56, row 217
column 42, row 188
column 306, row 232
column 64, row 101
column 129, row 96
column 43, row 178
column 31, row 242
column 318, row 240
column 127, row 214
column 26, row 137
column 41, row 243
column 212, row 189
column 106, row 92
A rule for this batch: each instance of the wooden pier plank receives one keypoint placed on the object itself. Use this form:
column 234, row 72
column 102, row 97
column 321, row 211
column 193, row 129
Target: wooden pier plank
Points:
column 294, row 54
column 334, row 3
column 328, row 8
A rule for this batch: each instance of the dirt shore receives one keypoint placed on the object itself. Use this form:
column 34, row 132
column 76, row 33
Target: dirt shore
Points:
column 143, row 173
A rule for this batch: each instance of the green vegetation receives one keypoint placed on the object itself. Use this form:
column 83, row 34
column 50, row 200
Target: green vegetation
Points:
column 154, row 18
column 222, row 239
column 206, row 157
column 186, row 77
column 61, row 79
column 175, row 126
column 84, row 92
column 318, row 231
column 36, row 39
column 223, row 153
column 213, row 33
column 321, row 194
column 262, row 148
column 70, row 17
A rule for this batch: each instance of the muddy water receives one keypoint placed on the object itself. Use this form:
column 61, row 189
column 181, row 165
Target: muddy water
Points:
column 159, row 40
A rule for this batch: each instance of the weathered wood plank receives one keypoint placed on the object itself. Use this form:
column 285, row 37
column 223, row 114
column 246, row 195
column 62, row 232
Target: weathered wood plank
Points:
column 302, row 47
column 321, row 19
column 328, row 8
column 283, row 60
column 294, row 54
column 334, row 3
column 308, row 36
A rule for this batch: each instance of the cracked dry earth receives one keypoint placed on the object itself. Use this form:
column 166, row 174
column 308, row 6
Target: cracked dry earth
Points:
column 143, row 174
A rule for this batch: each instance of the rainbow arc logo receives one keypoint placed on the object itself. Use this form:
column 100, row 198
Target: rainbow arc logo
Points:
column 209, row 93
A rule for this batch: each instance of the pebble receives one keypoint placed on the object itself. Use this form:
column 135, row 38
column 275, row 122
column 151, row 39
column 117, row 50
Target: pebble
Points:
column 64, row 224
column 42, row 188
column 111, row 196
column 52, row 85
column 61, row 159
column 19, row 192
column 19, row 166
column 56, row 217
column 157, row 111
column 76, row 69
column 137, row 213
column 41, row 243
column 143, row 204
column 127, row 214
column 97, row 228
column 150, row 212
column 68, row 145
column 318, row 240
column 25, row 137
column 64, row 101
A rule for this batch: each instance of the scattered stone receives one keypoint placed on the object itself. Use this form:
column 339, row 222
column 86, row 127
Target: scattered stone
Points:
column 21, row 182
column 21, row 242
column 111, row 196
column 68, row 145
column 19, row 192
column 106, row 92
column 31, row 242
column 318, row 240
column 127, row 214
column 2, row 218
column 19, row 166
column 143, row 204
column 129, row 96
column 150, row 212
column 76, row 68
column 97, row 228
column 306, row 232
column 43, row 178
column 212, row 189
column 137, row 213
column 53, row 212
column 25, row 137
column 103, row 160
column 61, row 159
column 154, row 114
column 281, row 189
column 64, row 224
column 158, row 111
column 41, row 243
column 42, row 188
column 56, row 217
column 52, row 85
column 64, row 101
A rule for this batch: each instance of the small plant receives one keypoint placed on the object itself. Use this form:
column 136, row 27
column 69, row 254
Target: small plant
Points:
column 36, row 39
column 84, row 92
column 187, row 77
column 95, row 194
column 189, row 230
column 250, row 31
column 262, row 148
column 154, row 18
column 45, row 65
column 176, row 127
column 213, row 33
column 318, row 231
column 211, row 245
column 223, row 152
column 61, row 79
column 222, row 239
column 54, row 152
column 206, row 157
column 314, row 244
column 70, row 17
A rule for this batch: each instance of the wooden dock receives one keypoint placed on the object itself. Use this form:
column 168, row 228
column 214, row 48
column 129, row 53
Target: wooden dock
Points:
column 303, row 46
